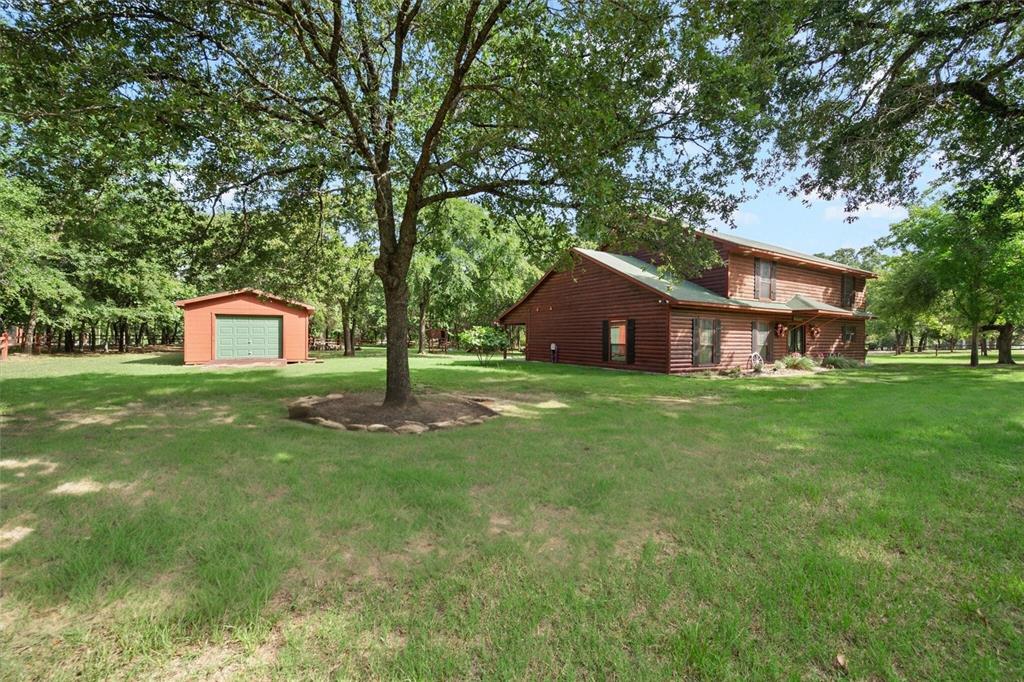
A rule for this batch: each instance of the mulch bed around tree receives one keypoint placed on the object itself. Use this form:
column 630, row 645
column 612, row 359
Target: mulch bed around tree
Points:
column 365, row 412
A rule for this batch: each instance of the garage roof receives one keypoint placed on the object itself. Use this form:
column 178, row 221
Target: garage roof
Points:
column 247, row 290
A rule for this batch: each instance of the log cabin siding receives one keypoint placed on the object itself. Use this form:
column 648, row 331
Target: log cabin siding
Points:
column 567, row 308
column 716, row 279
column 791, row 280
column 735, row 342
column 830, row 340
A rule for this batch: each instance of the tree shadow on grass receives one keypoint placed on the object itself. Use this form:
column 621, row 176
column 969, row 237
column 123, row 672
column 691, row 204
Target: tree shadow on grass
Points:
column 158, row 358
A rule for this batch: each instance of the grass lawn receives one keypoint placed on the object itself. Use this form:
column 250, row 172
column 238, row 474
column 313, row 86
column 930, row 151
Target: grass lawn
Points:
column 174, row 523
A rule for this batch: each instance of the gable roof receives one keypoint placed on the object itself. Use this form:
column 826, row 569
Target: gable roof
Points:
column 686, row 292
column 247, row 290
column 647, row 274
column 762, row 247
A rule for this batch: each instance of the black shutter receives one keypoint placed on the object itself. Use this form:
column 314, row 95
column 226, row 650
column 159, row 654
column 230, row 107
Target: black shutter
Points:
column 771, row 286
column 754, row 347
column 695, row 342
column 716, row 351
column 757, row 278
column 605, row 340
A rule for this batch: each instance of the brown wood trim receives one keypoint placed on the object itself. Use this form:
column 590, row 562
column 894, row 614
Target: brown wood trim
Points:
column 733, row 247
column 525, row 296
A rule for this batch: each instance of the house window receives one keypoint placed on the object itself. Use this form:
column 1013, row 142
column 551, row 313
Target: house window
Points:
column 764, row 279
column 761, row 340
column 847, row 291
column 706, row 341
column 797, row 342
column 617, row 341
column 849, row 333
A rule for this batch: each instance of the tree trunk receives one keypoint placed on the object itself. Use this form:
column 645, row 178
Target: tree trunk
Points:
column 1004, row 342
column 423, row 322
column 121, row 329
column 347, row 341
column 350, row 334
column 974, row 346
column 92, row 338
column 984, row 345
column 29, row 340
column 396, row 304
column 69, row 340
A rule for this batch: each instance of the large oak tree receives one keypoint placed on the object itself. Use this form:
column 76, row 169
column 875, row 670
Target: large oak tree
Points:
column 589, row 113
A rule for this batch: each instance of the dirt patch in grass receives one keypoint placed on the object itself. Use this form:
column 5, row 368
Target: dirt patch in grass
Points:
column 12, row 534
column 86, row 486
column 44, row 467
column 431, row 411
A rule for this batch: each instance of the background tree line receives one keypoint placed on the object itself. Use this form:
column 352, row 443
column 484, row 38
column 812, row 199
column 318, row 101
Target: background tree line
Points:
column 103, row 273
column 582, row 117
column 952, row 270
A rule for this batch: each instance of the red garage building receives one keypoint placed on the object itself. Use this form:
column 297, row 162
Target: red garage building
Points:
column 246, row 324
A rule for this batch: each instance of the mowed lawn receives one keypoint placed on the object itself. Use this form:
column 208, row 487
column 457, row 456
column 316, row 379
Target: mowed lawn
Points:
column 174, row 524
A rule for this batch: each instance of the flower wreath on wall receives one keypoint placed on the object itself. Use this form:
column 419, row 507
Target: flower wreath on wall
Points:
column 780, row 329
column 815, row 331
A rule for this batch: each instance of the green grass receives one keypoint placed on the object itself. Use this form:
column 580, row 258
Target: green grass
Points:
column 619, row 525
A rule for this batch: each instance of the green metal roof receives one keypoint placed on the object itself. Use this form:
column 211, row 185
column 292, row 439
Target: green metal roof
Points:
column 687, row 292
column 762, row 246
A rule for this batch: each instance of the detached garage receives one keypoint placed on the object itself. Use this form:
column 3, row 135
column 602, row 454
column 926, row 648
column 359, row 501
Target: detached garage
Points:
column 246, row 324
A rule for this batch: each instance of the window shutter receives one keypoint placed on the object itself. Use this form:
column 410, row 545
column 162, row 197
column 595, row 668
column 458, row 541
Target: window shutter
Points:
column 753, row 338
column 757, row 278
column 605, row 340
column 716, row 352
column 771, row 286
column 694, row 341
column 630, row 338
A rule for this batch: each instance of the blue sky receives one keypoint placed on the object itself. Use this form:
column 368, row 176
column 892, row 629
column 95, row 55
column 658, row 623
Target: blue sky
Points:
column 817, row 226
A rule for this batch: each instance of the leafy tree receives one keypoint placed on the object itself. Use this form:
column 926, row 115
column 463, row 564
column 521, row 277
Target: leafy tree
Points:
column 970, row 247
column 33, row 282
column 867, row 92
column 483, row 341
column 871, row 257
column 468, row 268
column 591, row 113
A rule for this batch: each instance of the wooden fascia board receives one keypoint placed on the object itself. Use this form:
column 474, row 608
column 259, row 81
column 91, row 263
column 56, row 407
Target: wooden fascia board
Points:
column 733, row 247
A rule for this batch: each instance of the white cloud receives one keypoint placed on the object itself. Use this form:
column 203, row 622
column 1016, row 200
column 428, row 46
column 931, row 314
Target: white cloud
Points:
column 875, row 210
column 745, row 218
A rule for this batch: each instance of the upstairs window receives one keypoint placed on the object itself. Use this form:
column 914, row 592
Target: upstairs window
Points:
column 764, row 279
column 847, row 294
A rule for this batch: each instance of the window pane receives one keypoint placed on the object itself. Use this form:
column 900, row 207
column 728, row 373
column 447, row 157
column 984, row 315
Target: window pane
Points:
column 765, row 273
column 706, row 341
column 617, row 342
column 763, row 339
